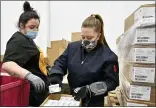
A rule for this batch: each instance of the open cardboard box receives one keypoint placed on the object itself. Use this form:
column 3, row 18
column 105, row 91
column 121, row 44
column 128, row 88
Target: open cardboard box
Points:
column 56, row 97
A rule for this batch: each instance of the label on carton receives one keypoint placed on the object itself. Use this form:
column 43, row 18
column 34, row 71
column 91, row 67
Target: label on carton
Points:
column 140, row 92
column 144, row 55
column 145, row 35
column 135, row 104
column 141, row 74
column 144, row 13
column 146, row 22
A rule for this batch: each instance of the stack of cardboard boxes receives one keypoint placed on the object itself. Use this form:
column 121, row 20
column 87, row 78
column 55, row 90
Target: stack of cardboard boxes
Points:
column 56, row 49
column 137, row 58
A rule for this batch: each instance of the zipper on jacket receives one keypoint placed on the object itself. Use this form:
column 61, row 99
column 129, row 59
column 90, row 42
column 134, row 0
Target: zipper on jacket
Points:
column 84, row 60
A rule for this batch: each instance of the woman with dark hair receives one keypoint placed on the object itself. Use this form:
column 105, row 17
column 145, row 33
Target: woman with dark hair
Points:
column 24, row 59
column 92, row 66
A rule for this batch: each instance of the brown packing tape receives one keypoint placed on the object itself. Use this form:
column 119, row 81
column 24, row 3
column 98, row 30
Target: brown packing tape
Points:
column 126, row 86
column 55, row 97
column 126, row 100
column 129, row 21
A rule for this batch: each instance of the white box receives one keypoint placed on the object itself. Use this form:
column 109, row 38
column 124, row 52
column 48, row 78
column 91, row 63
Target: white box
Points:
column 133, row 103
column 142, row 55
column 142, row 74
column 136, row 92
column 144, row 36
column 144, row 13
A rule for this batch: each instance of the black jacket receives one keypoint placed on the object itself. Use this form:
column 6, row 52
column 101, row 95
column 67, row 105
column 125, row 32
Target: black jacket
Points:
column 101, row 64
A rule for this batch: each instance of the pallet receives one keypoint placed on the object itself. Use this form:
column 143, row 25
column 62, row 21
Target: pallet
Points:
column 114, row 99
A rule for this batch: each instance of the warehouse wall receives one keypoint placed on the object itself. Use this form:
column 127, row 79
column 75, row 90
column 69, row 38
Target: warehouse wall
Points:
column 60, row 18
column 68, row 16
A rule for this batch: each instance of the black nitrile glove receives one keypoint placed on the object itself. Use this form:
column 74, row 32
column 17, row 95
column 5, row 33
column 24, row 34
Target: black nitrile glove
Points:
column 94, row 89
column 55, row 79
column 81, row 93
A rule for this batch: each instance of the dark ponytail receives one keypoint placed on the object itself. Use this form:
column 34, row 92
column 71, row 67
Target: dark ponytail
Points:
column 27, row 7
column 29, row 13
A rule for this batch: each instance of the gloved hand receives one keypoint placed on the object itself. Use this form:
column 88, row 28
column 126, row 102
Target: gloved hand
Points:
column 94, row 89
column 36, row 81
column 55, row 79
column 81, row 92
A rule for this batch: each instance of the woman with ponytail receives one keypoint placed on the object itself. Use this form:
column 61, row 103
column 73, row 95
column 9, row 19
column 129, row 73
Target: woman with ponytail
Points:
column 92, row 66
column 25, row 60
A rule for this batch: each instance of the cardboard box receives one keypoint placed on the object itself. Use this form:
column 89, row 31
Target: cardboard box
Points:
column 57, row 48
column 142, row 54
column 144, row 36
column 138, row 92
column 139, row 73
column 134, row 103
column 144, row 11
column 55, row 97
column 76, row 36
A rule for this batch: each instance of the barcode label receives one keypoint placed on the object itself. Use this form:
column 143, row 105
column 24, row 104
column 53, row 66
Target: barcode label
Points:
column 142, row 37
column 141, row 58
column 144, row 55
column 142, row 74
column 136, row 96
column 140, row 78
column 140, row 92
column 142, row 40
column 147, row 16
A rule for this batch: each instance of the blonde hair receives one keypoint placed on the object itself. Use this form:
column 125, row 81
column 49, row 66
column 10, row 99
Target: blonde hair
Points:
column 95, row 21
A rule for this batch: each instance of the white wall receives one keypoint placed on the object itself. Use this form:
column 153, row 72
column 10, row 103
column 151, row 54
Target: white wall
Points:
column 67, row 17
column 60, row 18
column 10, row 12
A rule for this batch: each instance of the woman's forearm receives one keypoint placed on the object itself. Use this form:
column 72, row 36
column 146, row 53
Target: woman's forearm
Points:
column 14, row 69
